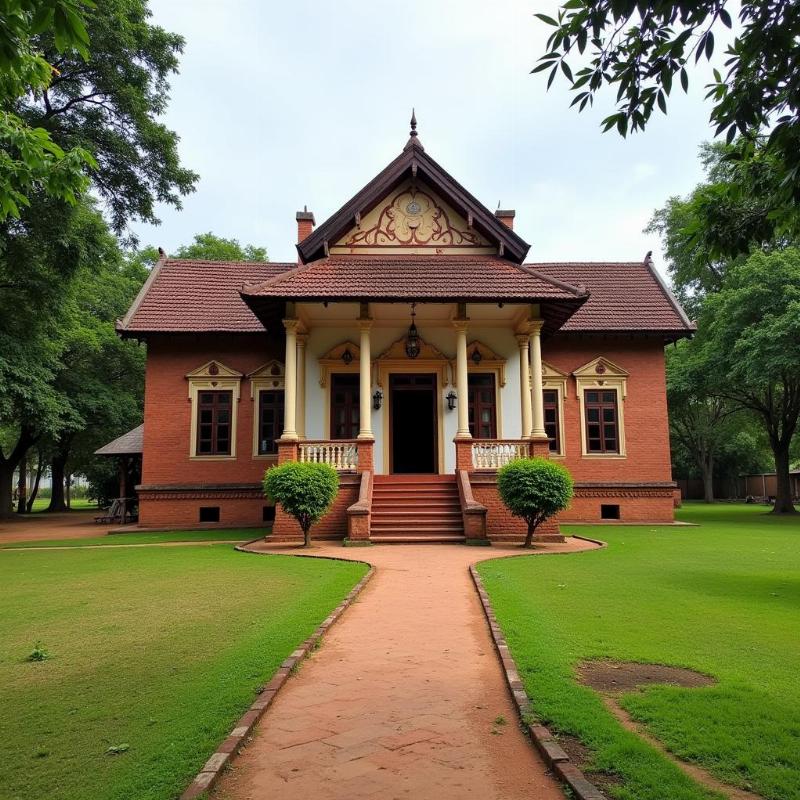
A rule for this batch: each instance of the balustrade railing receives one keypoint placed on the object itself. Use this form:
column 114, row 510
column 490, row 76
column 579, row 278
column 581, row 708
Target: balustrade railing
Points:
column 341, row 454
column 496, row 453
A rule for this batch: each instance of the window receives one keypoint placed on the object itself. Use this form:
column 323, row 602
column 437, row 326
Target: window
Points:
column 268, row 514
column 214, row 411
column 345, row 421
column 610, row 511
column 482, row 406
column 551, row 422
column 209, row 513
column 601, row 421
column 270, row 420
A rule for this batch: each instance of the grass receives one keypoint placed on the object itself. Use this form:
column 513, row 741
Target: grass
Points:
column 150, row 537
column 151, row 655
column 77, row 504
column 723, row 599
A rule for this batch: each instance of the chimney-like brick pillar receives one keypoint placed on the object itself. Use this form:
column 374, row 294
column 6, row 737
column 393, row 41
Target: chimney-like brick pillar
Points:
column 506, row 216
column 305, row 224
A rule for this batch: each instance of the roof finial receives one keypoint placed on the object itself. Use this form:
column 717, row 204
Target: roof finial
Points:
column 413, row 136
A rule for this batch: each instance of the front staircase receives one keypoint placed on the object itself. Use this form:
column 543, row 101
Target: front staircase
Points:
column 416, row 508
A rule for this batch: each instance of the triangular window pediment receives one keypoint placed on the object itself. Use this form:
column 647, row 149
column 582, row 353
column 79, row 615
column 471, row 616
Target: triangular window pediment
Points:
column 413, row 218
column 214, row 370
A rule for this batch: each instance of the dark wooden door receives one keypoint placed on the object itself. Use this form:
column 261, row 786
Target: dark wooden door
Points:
column 413, row 423
column 345, row 406
column 482, row 405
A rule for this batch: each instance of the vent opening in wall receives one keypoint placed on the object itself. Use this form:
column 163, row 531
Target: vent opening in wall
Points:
column 209, row 513
column 268, row 514
column 609, row 511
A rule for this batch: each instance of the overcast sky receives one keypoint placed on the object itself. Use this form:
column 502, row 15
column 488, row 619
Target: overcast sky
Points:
column 284, row 104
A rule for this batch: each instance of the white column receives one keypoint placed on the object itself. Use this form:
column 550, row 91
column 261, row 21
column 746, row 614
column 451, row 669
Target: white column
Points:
column 523, row 340
column 537, row 431
column 300, row 405
column 365, row 382
column 462, row 384
column 290, row 390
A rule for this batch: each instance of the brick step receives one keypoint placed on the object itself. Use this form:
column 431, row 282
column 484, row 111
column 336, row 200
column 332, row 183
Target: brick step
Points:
column 409, row 488
column 413, row 513
column 401, row 530
column 410, row 505
column 418, row 539
column 414, row 478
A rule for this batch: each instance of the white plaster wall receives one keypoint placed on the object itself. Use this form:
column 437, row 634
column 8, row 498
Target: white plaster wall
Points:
column 501, row 340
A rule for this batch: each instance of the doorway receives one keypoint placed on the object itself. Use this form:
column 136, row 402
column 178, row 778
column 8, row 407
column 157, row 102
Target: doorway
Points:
column 413, row 423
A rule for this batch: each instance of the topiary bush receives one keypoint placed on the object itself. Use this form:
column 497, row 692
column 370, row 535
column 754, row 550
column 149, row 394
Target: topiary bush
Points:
column 534, row 489
column 304, row 491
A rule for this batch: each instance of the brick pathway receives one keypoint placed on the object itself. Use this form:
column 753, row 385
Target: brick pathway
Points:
column 402, row 700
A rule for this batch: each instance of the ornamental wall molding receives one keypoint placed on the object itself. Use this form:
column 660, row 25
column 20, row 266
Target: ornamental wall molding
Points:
column 486, row 360
column 342, row 357
column 394, row 358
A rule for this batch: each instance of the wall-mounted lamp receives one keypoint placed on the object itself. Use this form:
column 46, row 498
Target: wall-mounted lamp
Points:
column 377, row 399
column 347, row 356
column 476, row 356
column 451, row 398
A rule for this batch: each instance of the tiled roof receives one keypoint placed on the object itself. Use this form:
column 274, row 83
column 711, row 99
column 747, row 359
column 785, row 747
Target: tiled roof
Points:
column 417, row 277
column 128, row 444
column 204, row 296
column 197, row 296
column 622, row 297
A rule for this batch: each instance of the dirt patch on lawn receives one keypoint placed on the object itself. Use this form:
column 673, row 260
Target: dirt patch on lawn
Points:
column 580, row 755
column 618, row 677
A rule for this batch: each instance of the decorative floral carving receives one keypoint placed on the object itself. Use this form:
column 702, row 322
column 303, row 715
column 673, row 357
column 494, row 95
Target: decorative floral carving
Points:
column 413, row 217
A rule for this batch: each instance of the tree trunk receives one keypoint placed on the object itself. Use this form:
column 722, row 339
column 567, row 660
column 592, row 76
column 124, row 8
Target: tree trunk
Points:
column 529, row 535
column 707, row 470
column 306, row 535
column 68, row 490
column 783, row 496
column 22, row 485
column 57, row 502
column 6, row 490
column 35, row 488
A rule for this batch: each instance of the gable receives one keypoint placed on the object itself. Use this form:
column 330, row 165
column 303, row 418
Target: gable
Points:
column 413, row 218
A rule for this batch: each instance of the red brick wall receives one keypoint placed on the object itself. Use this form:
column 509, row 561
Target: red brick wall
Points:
column 645, row 409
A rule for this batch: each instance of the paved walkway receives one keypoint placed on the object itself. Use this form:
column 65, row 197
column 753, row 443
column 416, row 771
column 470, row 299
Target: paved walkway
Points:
column 39, row 526
column 405, row 698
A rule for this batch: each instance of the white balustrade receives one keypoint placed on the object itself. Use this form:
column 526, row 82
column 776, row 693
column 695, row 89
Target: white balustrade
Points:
column 493, row 454
column 342, row 456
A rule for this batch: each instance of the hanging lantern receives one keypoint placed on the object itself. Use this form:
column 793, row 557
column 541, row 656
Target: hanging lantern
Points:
column 347, row 356
column 412, row 337
column 476, row 356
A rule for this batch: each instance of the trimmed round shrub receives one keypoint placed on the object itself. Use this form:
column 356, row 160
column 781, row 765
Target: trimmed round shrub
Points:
column 534, row 489
column 304, row 491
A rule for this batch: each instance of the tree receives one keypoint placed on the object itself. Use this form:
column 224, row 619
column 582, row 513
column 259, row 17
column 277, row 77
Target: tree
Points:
column 534, row 489
column 749, row 334
column 209, row 247
column 30, row 161
column 304, row 491
column 110, row 106
column 641, row 48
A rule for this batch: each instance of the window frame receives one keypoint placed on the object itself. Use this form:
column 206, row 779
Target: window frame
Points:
column 211, row 377
column 601, row 405
column 601, row 374
column 214, row 407
column 352, row 405
column 269, row 377
column 555, row 380
column 278, row 424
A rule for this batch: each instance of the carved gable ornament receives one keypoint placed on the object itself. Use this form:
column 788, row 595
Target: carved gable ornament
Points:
column 481, row 358
column 430, row 359
column 214, row 375
column 343, row 357
column 601, row 372
column 412, row 218
column 268, row 376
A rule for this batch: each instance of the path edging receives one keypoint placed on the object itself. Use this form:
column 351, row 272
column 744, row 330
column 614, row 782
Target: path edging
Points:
column 222, row 756
column 547, row 744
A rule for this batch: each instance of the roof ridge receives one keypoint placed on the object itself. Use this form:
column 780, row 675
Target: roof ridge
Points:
column 578, row 291
column 123, row 323
column 276, row 279
column 169, row 260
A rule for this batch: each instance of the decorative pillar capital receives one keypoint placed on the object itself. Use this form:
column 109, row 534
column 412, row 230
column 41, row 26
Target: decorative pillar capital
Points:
column 535, row 327
column 523, row 340
column 365, row 323
column 291, row 325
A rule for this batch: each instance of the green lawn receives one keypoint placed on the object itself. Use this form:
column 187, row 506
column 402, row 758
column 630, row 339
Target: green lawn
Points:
column 723, row 599
column 150, row 537
column 77, row 504
column 159, row 649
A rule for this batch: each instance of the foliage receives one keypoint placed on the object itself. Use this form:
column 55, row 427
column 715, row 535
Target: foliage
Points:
column 38, row 653
column 721, row 599
column 159, row 647
column 209, row 247
column 534, row 489
column 641, row 48
column 110, row 105
column 749, row 338
column 31, row 161
column 305, row 491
